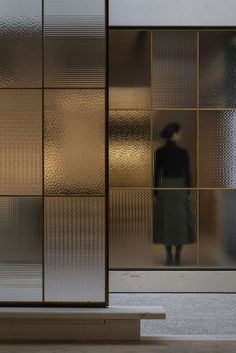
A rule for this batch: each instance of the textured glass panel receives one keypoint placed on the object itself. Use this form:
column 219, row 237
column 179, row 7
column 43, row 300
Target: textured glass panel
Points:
column 130, row 69
column 218, row 69
column 20, row 248
column 174, row 226
column 174, row 162
column 20, row 43
column 217, row 228
column 130, row 148
column 21, row 142
column 218, row 149
column 174, row 69
column 75, row 43
column 74, row 141
column 75, row 249
column 130, row 226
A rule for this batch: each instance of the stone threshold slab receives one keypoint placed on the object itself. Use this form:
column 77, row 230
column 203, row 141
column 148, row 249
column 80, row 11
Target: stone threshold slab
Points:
column 75, row 324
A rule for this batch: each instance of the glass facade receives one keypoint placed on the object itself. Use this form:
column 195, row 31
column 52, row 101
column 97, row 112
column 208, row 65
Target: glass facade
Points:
column 182, row 116
column 52, row 177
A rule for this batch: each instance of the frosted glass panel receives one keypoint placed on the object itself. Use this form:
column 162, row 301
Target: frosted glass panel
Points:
column 217, row 69
column 130, row 148
column 175, row 162
column 21, row 142
column 174, row 69
column 217, row 149
column 130, row 69
column 21, row 248
column 75, row 249
column 20, row 43
column 130, row 228
column 74, row 141
column 75, row 43
column 217, row 228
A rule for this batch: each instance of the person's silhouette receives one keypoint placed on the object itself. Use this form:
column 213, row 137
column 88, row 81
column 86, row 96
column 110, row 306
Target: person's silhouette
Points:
column 173, row 216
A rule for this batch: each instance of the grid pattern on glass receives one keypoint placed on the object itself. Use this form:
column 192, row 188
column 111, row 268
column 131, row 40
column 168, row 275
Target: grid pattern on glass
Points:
column 130, row 148
column 130, row 228
column 75, row 43
column 217, row 228
column 218, row 69
column 175, row 163
column 20, row 43
column 129, row 69
column 174, row 64
column 74, row 245
column 217, row 149
column 74, row 141
column 21, row 142
column 174, row 227
column 21, row 248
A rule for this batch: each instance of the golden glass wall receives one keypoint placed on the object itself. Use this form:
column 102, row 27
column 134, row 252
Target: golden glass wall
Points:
column 53, row 134
column 158, row 77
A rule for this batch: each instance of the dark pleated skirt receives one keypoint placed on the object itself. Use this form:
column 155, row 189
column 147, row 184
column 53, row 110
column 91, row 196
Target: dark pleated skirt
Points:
column 173, row 215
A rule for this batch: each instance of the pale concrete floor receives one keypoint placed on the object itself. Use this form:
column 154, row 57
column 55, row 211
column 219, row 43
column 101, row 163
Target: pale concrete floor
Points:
column 187, row 314
column 143, row 347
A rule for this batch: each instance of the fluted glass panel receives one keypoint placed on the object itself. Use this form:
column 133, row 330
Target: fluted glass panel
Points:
column 175, row 165
column 130, row 69
column 218, row 69
column 74, row 141
column 74, row 249
column 21, row 248
column 130, row 228
column 217, row 228
column 217, row 149
column 174, row 69
column 21, row 142
column 75, row 43
column 130, row 148
column 20, row 43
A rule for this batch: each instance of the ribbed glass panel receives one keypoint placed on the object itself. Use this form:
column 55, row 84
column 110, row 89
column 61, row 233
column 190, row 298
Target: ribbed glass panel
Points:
column 21, row 248
column 130, row 69
column 130, row 228
column 217, row 69
column 217, row 228
column 75, row 43
column 74, row 141
column 130, row 148
column 217, row 149
column 20, row 43
column 74, row 249
column 21, row 142
column 174, row 69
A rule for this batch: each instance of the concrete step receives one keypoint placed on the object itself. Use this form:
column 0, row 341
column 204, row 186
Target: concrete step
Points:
column 75, row 324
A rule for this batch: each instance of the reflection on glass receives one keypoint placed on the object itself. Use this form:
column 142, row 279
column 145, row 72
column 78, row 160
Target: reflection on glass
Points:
column 174, row 69
column 217, row 149
column 74, row 249
column 174, row 149
column 174, row 225
column 217, row 228
column 130, row 148
column 21, row 43
column 21, row 248
column 130, row 69
column 217, row 69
